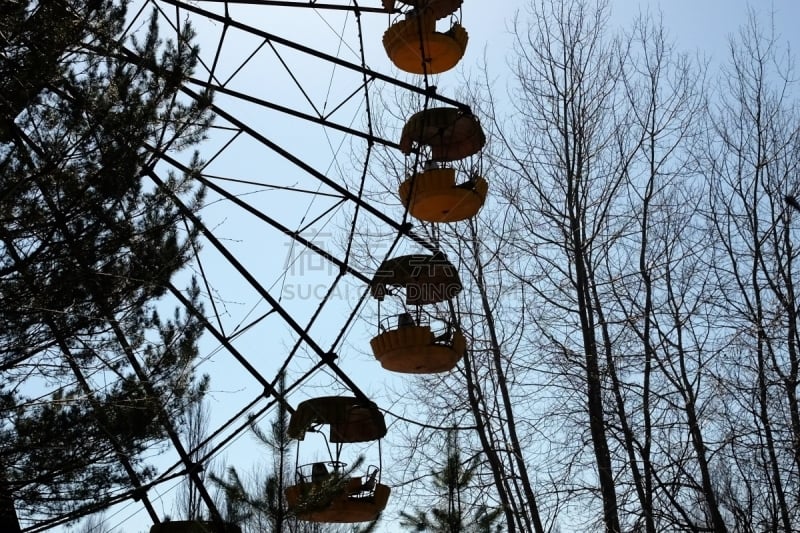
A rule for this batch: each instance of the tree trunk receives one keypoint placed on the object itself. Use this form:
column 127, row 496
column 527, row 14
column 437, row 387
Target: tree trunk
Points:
column 9, row 523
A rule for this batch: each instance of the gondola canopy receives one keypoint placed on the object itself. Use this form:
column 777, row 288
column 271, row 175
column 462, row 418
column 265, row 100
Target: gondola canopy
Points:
column 426, row 279
column 350, row 419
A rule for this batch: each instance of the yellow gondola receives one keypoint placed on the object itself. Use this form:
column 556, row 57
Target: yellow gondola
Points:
column 433, row 195
column 338, row 498
column 409, row 344
column 413, row 348
column 414, row 45
column 451, row 133
column 327, row 491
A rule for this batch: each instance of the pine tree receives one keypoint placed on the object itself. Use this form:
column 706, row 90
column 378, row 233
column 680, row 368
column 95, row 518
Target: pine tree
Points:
column 262, row 506
column 90, row 371
column 451, row 482
column 265, row 505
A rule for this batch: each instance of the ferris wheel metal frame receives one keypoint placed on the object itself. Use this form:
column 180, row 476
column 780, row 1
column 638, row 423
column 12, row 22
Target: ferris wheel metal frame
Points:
column 197, row 88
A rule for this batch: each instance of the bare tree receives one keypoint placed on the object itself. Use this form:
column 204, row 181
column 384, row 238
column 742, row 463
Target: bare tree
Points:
column 752, row 162
column 563, row 180
column 195, row 423
column 628, row 288
column 95, row 523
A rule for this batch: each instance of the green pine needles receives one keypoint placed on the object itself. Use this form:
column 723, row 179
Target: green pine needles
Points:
column 453, row 514
column 91, row 372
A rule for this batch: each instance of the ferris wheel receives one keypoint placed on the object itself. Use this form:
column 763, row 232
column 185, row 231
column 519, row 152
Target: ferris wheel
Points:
column 298, row 92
